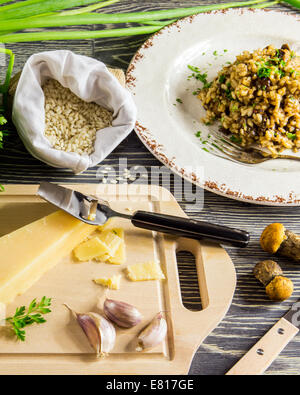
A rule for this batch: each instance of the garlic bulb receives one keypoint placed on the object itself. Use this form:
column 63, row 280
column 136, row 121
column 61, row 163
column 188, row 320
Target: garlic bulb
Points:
column 153, row 334
column 99, row 331
column 123, row 314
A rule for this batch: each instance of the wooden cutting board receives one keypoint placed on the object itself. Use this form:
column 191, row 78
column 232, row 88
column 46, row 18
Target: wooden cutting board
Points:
column 60, row 347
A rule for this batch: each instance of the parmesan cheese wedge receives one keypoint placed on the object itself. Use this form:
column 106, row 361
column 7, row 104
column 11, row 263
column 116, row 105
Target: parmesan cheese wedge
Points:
column 29, row 252
column 144, row 271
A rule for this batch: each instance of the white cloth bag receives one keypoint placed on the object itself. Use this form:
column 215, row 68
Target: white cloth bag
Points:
column 91, row 81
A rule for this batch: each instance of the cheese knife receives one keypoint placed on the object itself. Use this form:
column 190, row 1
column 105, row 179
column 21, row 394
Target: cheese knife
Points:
column 265, row 351
column 94, row 211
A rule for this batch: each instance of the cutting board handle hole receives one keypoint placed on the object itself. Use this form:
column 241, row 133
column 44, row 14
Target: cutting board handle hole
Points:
column 188, row 279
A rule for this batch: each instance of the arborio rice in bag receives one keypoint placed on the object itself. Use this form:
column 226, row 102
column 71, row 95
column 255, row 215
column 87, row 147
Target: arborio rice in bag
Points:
column 70, row 110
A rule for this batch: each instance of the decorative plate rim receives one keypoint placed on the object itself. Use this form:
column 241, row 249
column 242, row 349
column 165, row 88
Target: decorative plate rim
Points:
column 158, row 150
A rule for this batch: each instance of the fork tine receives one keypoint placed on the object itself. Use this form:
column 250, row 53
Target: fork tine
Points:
column 230, row 151
column 215, row 145
column 226, row 148
column 227, row 140
column 226, row 155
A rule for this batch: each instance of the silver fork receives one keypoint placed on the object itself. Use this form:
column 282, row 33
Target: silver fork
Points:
column 220, row 145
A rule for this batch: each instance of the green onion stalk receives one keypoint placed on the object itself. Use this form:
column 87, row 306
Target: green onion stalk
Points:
column 17, row 18
column 95, row 18
column 293, row 3
column 3, row 91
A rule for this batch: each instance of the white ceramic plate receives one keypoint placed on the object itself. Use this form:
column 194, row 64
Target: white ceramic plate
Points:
column 158, row 76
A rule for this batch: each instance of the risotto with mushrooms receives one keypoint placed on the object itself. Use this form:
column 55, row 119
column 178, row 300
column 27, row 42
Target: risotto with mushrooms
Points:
column 257, row 99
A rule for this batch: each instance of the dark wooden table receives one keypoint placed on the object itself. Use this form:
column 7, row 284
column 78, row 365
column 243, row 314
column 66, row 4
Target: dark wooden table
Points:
column 251, row 313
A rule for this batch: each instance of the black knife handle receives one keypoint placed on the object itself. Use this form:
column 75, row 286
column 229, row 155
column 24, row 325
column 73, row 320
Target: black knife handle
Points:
column 190, row 228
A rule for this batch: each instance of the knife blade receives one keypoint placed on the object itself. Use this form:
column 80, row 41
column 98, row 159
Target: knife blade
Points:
column 73, row 202
column 265, row 351
column 95, row 211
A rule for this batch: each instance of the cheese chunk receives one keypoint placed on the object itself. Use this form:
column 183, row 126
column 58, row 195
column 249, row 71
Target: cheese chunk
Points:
column 111, row 239
column 102, row 258
column 144, row 271
column 28, row 252
column 111, row 283
column 91, row 249
column 120, row 255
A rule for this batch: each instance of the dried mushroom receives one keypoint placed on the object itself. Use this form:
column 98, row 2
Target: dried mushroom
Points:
column 275, row 239
column 280, row 288
column 272, row 238
column 269, row 273
column 265, row 271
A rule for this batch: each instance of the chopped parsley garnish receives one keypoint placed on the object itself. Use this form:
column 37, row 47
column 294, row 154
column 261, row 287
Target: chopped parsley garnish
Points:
column 282, row 63
column 228, row 91
column 215, row 53
column 196, row 92
column 194, row 68
column 198, row 134
column 222, row 79
column 276, row 64
column 264, row 72
column 236, row 139
column 291, row 136
column 280, row 72
column 234, row 107
column 179, row 100
column 202, row 77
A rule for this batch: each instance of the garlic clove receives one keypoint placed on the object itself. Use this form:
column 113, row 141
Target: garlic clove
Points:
column 91, row 330
column 123, row 314
column 153, row 334
column 107, row 332
column 100, row 333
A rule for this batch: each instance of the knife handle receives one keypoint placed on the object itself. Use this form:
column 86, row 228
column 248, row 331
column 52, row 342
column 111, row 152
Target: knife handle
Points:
column 190, row 228
column 260, row 356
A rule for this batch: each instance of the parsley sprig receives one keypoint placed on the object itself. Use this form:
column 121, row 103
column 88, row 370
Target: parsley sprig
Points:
column 34, row 315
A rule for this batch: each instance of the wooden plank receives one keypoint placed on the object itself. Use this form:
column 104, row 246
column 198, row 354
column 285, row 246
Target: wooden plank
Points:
column 251, row 313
